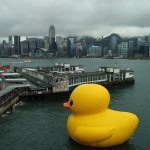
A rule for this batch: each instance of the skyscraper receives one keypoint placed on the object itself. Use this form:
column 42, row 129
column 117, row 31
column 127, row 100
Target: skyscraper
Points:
column 113, row 44
column 52, row 37
column 17, row 45
column 130, row 48
column 10, row 41
column 10, row 45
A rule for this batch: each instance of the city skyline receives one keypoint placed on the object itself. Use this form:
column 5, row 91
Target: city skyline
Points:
column 73, row 17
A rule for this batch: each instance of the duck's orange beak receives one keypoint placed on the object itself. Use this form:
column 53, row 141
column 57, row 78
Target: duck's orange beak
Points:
column 67, row 104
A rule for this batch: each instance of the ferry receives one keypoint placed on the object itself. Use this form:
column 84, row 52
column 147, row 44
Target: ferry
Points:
column 27, row 61
column 14, row 56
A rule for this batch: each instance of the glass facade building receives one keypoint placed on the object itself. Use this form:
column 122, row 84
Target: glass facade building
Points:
column 124, row 49
column 17, row 48
column 51, row 36
column 113, row 43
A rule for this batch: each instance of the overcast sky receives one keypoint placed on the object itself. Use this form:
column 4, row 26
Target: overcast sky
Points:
column 95, row 18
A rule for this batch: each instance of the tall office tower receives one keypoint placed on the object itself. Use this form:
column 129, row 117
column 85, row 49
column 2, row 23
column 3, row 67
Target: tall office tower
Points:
column 10, row 41
column 52, row 37
column 59, row 42
column 10, row 45
column 17, row 44
column 46, row 42
column 149, row 38
column 71, row 41
column 65, row 46
column 4, row 44
column 124, row 49
column 25, row 47
column 84, row 45
column 113, row 43
column 130, row 48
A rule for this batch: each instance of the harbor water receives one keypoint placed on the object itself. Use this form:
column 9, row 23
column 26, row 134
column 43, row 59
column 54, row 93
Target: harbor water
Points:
column 41, row 124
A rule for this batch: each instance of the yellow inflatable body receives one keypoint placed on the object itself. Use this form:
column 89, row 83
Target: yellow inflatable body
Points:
column 92, row 123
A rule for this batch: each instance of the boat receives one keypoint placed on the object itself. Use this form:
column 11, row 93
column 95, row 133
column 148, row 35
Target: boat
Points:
column 14, row 56
column 27, row 61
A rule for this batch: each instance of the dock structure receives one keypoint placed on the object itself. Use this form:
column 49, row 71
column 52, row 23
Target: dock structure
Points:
column 10, row 95
column 63, row 81
column 62, row 68
column 57, row 82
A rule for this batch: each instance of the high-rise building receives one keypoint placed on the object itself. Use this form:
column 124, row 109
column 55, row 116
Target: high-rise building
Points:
column 84, row 46
column 143, row 46
column 25, row 48
column 130, row 48
column 46, row 42
column 59, row 42
column 71, row 41
column 124, row 49
column 94, row 51
column 10, row 45
column 10, row 41
column 52, row 37
column 17, row 45
column 113, row 44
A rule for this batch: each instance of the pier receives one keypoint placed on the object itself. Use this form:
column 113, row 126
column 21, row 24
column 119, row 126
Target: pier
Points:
column 53, row 83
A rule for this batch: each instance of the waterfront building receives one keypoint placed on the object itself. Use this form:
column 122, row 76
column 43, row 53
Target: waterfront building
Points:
column 79, row 50
column 109, row 52
column 25, row 48
column 105, row 51
column 73, row 50
column 130, row 48
column 46, row 42
column 143, row 46
column 17, row 45
column 94, row 51
column 33, row 44
column 113, row 43
column 4, row 49
column 65, row 46
column 30, row 44
column 84, row 47
column 10, row 45
column 41, row 52
column 119, row 49
column 10, row 41
column 59, row 43
column 59, row 46
column 72, row 39
column 124, row 49
column 4, row 44
column 52, row 37
column 71, row 46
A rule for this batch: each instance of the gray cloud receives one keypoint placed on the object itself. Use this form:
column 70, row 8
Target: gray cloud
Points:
column 77, row 17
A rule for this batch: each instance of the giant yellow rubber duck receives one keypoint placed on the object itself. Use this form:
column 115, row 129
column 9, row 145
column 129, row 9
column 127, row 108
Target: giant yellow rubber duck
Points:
column 92, row 123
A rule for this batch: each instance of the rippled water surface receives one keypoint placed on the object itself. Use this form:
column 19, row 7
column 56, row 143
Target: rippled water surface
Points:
column 41, row 125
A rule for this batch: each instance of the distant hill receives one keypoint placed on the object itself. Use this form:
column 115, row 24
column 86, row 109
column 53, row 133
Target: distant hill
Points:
column 105, row 41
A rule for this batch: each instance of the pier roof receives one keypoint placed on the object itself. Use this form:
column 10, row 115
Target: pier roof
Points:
column 36, row 81
column 75, row 75
column 12, row 87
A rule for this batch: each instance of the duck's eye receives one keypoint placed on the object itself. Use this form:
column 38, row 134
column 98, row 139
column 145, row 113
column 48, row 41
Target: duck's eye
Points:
column 71, row 102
